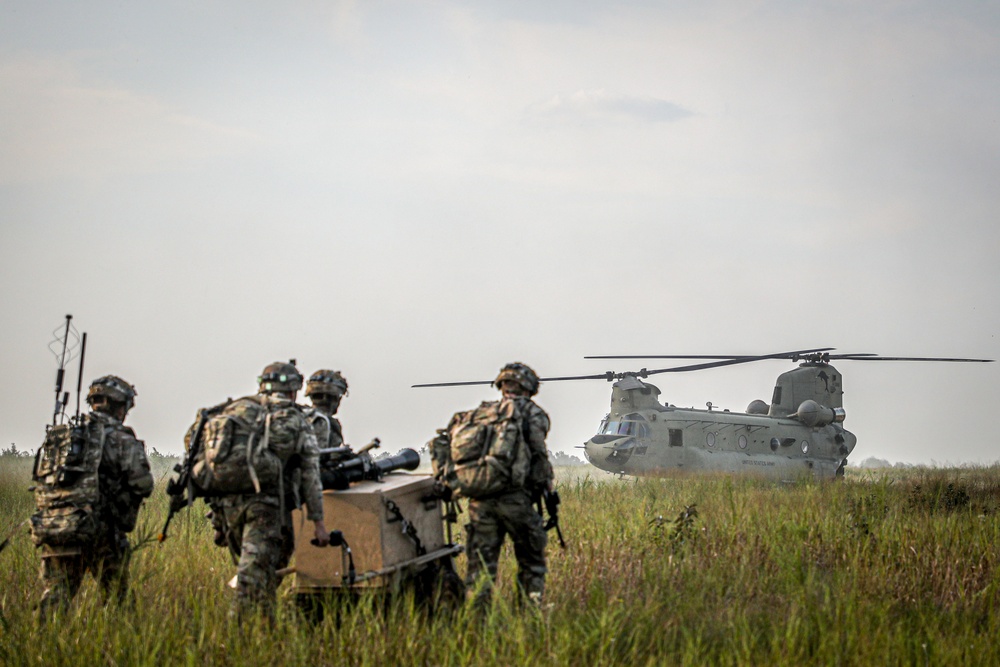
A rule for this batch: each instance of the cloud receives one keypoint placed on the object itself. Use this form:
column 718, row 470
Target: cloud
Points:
column 599, row 106
column 55, row 124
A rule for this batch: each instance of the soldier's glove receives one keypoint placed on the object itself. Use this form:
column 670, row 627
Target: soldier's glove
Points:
column 442, row 490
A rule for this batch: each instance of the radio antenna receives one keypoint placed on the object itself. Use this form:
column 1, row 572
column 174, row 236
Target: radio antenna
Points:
column 63, row 346
column 61, row 373
column 79, row 373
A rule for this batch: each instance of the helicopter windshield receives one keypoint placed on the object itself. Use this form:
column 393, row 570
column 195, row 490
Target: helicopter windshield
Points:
column 634, row 425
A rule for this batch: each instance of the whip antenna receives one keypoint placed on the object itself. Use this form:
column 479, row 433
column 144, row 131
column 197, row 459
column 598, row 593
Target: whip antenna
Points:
column 79, row 373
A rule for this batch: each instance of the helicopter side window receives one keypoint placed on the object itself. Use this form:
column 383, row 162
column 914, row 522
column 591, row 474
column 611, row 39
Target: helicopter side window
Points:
column 676, row 437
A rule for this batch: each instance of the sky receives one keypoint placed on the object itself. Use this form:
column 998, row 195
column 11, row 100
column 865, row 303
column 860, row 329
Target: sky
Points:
column 416, row 192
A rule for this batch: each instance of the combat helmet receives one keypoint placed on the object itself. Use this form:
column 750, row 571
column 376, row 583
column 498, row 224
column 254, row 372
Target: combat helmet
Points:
column 325, row 381
column 114, row 388
column 521, row 374
column 280, row 376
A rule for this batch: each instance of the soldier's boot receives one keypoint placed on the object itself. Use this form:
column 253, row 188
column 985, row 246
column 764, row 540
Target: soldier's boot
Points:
column 480, row 577
column 531, row 587
column 256, row 588
column 113, row 576
column 479, row 593
column 62, row 578
column 50, row 606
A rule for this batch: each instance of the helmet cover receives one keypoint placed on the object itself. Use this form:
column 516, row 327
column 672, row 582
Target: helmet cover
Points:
column 520, row 373
column 115, row 389
column 325, row 381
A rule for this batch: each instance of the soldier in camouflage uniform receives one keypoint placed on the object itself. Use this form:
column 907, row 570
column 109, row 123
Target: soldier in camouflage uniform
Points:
column 258, row 526
column 325, row 389
column 512, row 512
column 124, row 481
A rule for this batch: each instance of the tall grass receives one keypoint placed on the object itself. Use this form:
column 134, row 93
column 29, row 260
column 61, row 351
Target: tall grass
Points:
column 887, row 569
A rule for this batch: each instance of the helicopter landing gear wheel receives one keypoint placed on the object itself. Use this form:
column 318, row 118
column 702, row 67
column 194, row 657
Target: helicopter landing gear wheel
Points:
column 840, row 470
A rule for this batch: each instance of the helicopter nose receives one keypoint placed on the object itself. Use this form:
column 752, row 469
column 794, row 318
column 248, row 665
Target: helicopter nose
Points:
column 609, row 452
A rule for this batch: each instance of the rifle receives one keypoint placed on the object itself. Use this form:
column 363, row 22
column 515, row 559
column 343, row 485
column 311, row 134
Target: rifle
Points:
column 181, row 490
column 551, row 500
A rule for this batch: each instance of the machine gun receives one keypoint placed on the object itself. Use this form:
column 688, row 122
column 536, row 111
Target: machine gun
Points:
column 341, row 466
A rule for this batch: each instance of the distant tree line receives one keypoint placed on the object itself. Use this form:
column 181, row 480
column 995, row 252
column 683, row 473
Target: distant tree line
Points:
column 14, row 453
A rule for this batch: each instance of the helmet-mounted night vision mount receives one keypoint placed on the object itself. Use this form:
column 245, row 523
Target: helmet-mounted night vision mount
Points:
column 280, row 376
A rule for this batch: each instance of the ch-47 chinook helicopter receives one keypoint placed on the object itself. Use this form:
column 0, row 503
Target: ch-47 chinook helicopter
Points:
column 799, row 434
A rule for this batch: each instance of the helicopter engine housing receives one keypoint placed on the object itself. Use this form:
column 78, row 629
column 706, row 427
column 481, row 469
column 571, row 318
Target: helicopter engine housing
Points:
column 812, row 413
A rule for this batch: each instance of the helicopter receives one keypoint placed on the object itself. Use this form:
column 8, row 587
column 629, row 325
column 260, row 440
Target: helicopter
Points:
column 799, row 434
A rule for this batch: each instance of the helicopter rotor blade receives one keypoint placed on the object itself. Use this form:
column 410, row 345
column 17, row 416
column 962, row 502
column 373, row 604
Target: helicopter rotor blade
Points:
column 670, row 356
column 819, row 355
column 453, row 384
column 738, row 360
column 741, row 357
column 610, row 375
column 875, row 357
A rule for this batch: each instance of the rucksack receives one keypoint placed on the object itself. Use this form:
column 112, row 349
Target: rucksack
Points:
column 67, row 485
column 487, row 453
column 240, row 447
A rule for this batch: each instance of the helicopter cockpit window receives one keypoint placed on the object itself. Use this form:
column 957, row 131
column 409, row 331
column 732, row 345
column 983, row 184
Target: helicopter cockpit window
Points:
column 634, row 425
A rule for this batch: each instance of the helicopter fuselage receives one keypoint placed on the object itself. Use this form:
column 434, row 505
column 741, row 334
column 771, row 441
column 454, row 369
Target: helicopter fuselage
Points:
column 641, row 436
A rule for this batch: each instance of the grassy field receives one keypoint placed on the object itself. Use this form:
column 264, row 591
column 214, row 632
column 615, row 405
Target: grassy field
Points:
column 894, row 568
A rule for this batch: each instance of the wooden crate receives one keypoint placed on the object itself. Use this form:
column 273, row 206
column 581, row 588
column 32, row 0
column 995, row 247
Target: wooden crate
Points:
column 373, row 531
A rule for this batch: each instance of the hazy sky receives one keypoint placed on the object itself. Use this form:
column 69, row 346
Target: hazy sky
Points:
column 422, row 191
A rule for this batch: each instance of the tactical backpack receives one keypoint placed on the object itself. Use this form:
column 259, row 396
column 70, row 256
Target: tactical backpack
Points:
column 486, row 450
column 239, row 446
column 67, row 485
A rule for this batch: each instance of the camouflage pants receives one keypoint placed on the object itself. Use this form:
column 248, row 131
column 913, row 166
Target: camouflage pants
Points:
column 218, row 518
column 62, row 575
column 492, row 519
column 255, row 538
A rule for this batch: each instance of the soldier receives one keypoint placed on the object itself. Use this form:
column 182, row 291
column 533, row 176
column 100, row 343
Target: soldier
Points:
column 101, row 472
column 325, row 389
column 510, row 510
column 258, row 525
